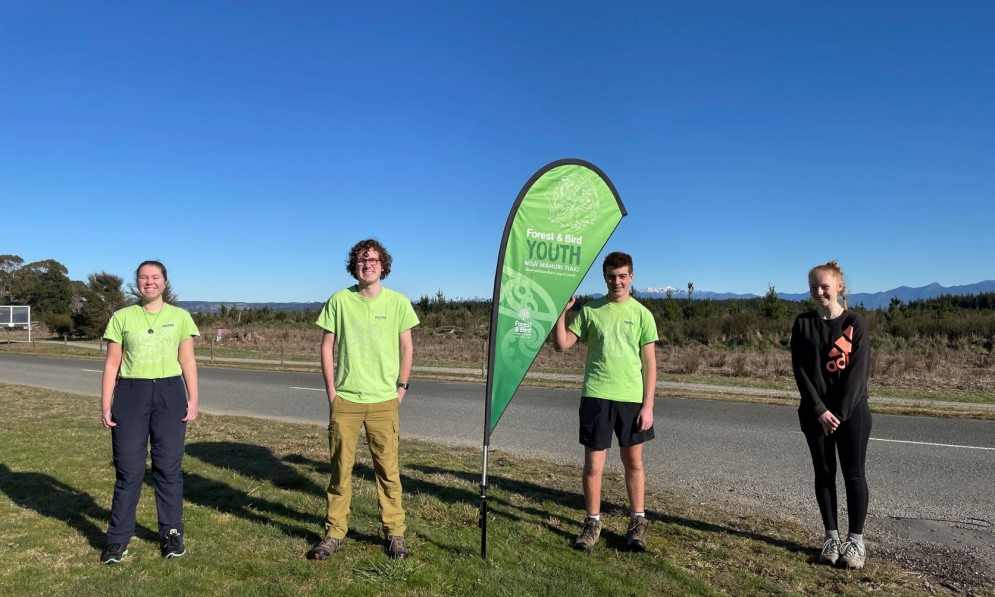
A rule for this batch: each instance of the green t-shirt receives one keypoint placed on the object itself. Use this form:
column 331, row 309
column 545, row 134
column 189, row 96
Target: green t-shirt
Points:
column 615, row 334
column 366, row 342
column 145, row 355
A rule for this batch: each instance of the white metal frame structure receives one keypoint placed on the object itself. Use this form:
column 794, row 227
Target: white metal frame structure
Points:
column 16, row 316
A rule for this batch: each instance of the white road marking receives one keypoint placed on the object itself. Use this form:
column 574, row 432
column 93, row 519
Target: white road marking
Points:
column 93, row 370
column 903, row 441
column 308, row 389
column 900, row 441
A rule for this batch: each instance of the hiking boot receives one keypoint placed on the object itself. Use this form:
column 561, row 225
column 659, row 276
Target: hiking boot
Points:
column 635, row 536
column 853, row 555
column 589, row 535
column 396, row 549
column 114, row 553
column 171, row 545
column 325, row 548
column 830, row 551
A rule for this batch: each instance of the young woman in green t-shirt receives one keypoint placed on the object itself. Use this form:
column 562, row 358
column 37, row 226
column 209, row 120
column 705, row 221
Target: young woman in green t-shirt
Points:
column 149, row 393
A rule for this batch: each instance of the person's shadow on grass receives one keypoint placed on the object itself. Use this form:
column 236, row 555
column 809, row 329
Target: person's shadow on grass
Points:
column 50, row 497
column 259, row 463
column 540, row 493
column 536, row 493
column 255, row 462
column 222, row 497
column 417, row 485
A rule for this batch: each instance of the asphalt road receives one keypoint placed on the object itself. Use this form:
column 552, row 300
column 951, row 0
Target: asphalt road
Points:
column 931, row 480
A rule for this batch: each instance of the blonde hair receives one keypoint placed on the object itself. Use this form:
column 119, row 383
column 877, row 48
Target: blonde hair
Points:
column 832, row 267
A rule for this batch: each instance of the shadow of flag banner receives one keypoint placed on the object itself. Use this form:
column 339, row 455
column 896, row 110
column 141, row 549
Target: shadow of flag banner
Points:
column 560, row 222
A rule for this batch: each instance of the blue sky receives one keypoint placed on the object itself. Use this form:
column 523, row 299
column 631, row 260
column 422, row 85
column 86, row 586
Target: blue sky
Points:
column 248, row 145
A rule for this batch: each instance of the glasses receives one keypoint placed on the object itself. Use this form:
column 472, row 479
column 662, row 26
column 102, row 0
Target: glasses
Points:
column 368, row 261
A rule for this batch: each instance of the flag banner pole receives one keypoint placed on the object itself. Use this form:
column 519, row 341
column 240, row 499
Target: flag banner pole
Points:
column 560, row 222
column 482, row 516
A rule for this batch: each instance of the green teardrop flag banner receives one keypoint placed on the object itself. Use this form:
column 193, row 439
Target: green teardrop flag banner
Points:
column 559, row 224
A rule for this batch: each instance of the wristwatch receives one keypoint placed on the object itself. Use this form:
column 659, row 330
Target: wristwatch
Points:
column 403, row 385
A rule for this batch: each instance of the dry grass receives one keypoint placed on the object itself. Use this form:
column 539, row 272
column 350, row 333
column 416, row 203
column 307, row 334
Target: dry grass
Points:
column 937, row 369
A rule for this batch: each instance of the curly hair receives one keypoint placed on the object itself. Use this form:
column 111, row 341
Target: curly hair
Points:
column 616, row 260
column 362, row 248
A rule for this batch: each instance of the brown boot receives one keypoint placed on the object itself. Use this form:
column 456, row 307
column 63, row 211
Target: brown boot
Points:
column 589, row 535
column 635, row 536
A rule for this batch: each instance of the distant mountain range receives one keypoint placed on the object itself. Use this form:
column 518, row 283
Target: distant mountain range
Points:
column 661, row 292
column 877, row 300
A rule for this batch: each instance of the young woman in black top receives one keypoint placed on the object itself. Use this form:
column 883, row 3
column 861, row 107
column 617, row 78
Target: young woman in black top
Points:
column 830, row 351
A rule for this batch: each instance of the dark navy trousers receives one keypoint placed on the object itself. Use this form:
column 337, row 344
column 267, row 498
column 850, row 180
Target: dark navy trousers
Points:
column 147, row 411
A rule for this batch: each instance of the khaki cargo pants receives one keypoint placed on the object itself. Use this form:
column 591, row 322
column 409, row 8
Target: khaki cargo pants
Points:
column 382, row 430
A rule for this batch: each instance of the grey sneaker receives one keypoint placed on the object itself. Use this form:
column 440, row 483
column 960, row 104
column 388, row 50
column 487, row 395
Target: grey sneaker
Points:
column 114, row 553
column 853, row 555
column 171, row 545
column 830, row 551
column 325, row 548
column 589, row 535
column 396, row 549
column 635, row 536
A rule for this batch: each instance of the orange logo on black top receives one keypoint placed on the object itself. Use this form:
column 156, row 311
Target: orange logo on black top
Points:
column 839, row 355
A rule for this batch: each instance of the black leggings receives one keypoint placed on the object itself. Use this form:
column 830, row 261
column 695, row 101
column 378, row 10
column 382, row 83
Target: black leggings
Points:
column 850, row 438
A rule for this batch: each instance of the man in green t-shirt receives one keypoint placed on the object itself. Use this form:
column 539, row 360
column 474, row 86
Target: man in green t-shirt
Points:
column 366, row 354
column 619, row 386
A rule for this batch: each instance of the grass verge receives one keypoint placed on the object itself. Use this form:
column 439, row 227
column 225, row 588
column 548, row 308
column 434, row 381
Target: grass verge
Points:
column 255, row 498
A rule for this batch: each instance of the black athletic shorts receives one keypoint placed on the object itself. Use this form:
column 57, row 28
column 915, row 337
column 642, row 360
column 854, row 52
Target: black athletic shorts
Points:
column 600, row 417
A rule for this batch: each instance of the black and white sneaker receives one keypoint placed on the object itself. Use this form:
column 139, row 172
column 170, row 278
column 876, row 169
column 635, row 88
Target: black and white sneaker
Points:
column 114, row 553
column 171, row 545
column 830, row 553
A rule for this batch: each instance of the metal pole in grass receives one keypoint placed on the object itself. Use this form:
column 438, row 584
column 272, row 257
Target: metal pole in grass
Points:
column 483, row 505
column 482, row 516
column 485, row 369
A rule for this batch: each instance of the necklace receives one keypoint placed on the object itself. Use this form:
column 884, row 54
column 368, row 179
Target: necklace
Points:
column 146, row 315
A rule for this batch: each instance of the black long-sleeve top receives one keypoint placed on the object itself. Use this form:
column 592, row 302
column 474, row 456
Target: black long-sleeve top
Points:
column 830, row 358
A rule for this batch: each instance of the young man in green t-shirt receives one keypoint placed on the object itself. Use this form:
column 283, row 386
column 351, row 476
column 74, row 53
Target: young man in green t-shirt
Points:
column 366, row 354
column 619, row 386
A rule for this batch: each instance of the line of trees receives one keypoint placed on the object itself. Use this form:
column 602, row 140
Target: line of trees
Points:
column 233, row 316
column 65, row 306
column 83, row 308
column 963, row 322
column 966, row 322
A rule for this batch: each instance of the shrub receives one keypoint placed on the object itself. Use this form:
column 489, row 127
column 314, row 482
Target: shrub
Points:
column 61, row 324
